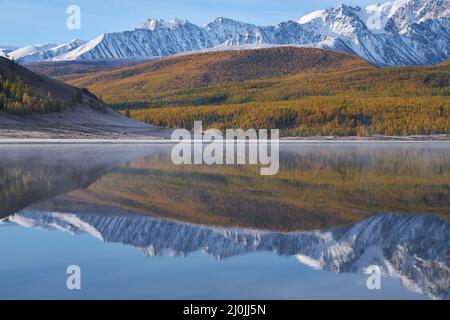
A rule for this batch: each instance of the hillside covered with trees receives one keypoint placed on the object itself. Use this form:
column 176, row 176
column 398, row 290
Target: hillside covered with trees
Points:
column 24, row 92
column 301, row 91
column 20, row 98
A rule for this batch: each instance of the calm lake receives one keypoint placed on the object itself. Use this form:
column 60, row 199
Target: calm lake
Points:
column 140, row 227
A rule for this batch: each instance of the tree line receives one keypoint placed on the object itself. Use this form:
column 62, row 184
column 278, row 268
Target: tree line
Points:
column 314, row 116
column 20, row 98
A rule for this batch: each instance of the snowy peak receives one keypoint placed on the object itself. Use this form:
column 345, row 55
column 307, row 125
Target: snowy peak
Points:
column 43, row 52
column 340, row 21
column 376, row 16
column 226, row 25
column 3, row 53
column 223, row 29
column 66, row 47
column 401, row 32
column 417, row 11
column 74, row 43
column 285, row 33
column 29, row 50
column 400, row 13
column 5, row 50
column 154, row 24
column 80, row 50
column 319, row 14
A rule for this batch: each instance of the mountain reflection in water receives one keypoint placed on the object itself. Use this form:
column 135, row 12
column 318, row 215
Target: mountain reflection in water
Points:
column 413, row 248
column 331, row 205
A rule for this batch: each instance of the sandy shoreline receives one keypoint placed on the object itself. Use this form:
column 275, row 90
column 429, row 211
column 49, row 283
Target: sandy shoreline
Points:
column 78, row 123
column 83, row 125
column 161, row 140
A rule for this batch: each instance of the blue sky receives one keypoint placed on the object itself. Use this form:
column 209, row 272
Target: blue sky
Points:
column 25, row 22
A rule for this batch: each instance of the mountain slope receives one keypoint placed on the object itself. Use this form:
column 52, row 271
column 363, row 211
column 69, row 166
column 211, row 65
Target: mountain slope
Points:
column 218, row 68
column 143, row 42
column 5, row 50
column 33, row 105
column 403, row 32
column 43, row 52
column 24, row 92
column 302, row 91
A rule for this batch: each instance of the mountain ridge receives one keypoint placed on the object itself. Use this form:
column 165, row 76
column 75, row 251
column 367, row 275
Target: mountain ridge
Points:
column 402, row 32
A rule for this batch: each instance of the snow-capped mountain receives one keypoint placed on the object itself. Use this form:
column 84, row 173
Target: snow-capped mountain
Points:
column 43, row 52
column 5, row 50
column 223, row 29
column 413, row 248
column 156, row 38
column 402, row 32
column 32, row 50
column 416, row 12
column 153, row 24
column 285, row 33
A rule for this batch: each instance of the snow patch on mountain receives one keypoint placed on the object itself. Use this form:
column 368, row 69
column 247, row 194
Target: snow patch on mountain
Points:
column 417, row 12
column 80, row 50
column 376, row 16
column 319, row 14
column 412, row 248
column 6, row 50
column 403, row 32
column 153, row 24
column 44, row 52
column 29, row 51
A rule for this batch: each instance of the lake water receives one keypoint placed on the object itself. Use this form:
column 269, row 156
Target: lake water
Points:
column 140, row 227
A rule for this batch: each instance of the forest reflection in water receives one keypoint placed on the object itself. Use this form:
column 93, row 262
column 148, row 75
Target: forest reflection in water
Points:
column 318, row 186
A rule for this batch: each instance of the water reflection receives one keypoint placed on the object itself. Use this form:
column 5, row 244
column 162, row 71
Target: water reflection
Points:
column 318, row 186
column 32, row 173
column 413, row 248
column 330, row 205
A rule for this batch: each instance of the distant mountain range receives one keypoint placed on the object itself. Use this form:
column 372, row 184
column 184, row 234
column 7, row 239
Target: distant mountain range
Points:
column 402, row 32
column 5, row 50
column 412, row 248
column 43, row 52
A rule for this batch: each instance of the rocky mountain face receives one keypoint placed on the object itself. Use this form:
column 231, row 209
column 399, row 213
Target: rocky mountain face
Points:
column 413, row 248
column 402, row 32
